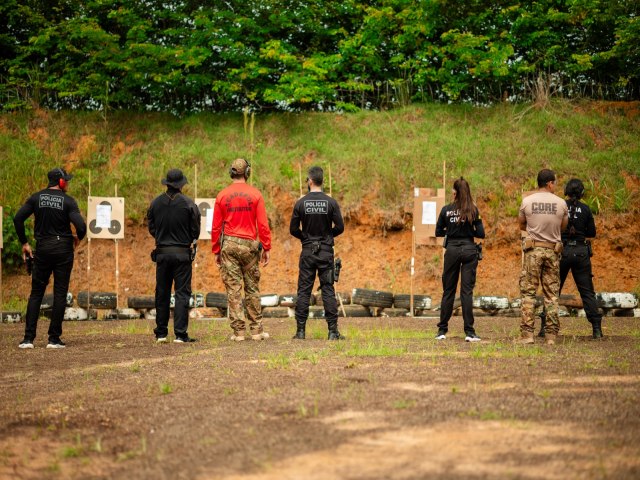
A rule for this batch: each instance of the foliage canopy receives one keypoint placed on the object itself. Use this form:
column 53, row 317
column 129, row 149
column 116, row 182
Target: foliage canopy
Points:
column 187, row 56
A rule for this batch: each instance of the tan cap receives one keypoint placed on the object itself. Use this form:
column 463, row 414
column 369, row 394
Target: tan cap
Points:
column 238, row 166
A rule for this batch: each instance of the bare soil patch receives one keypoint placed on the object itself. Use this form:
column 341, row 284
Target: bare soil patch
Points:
column 389, row 402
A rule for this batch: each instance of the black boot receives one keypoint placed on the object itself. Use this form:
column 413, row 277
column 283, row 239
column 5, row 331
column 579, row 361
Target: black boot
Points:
column 543, row 323
column 300, row 330
column 597, row 328
column 335, row 335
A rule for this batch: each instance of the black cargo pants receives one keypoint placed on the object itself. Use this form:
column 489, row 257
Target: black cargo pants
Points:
column 52, row 255
column 322, row 264
column 460, row 260
column 170, row 268
column 575, row 259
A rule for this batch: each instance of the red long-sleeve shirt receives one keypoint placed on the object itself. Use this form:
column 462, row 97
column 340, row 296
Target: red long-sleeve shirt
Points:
column 240, row 209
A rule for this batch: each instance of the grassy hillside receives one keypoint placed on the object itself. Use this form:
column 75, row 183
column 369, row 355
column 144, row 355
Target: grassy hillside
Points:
column 378, row 155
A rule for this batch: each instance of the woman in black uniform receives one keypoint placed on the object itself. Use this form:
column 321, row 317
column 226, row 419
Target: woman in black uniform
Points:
column 459, row 222
column 576, row 255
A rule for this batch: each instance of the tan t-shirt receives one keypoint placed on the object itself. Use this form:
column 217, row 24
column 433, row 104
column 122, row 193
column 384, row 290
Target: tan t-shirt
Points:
column 544, row 212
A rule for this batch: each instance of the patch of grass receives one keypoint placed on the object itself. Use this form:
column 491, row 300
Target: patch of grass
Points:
column 304, row 411
column 403, row 404
column 278, row 361
column 134, row 367
column 165, row 388
column 375, row 349
column 71, row 452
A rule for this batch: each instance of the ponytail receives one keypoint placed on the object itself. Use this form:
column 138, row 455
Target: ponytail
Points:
column 464, row 201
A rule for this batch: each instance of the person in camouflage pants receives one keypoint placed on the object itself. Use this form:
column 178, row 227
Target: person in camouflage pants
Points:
column 241, row 238
column 239, row 264
column 540, row 266
column 541, row 218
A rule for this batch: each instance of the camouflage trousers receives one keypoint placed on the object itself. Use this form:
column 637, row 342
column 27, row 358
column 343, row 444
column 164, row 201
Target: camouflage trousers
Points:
column 239, row 265
column 540, row 266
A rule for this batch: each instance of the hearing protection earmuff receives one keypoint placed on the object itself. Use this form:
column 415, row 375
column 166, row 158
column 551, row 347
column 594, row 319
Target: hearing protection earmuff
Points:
column 247, row 170
column 62, row 183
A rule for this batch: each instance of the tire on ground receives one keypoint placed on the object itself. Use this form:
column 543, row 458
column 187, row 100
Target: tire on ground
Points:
column 354, row 311
column 420, row 302
column 47, row 301
column 275, row 312
column 142, row 302
column 215, row 299
column 372, row 298
column 616, row 300
column 10, row 317
column 269, row 299
column 288, row 300
column 393, row 312
column 123, row 314
column 106, row 300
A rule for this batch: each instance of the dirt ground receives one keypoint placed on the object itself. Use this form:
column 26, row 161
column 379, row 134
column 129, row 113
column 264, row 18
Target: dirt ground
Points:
column 389, row 402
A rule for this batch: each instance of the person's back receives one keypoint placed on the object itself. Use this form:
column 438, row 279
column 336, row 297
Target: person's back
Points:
column 240, row 207
column 320, row 217
column 544, row 212
column 171, row 219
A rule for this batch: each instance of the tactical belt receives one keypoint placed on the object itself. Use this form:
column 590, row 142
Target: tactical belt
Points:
column 459, row 242
column 550, row 245
column 324, row 248
column 160, row 250
column 575, row 243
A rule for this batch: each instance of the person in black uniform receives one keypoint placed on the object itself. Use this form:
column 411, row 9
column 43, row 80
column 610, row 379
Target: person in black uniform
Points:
column 459, row 222
column 54, row 211
column 576, row 254
column 321, row 223
column 174, row 221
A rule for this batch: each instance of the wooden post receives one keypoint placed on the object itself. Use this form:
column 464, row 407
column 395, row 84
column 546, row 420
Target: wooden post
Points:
column 330, row 187
column 413, row 261
column 300, row 177
column 89, row 261
column 117, row 268
column 1, row 295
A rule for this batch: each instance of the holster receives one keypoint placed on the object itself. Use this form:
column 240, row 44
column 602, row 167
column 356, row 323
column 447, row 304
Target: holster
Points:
column 154, row 255
column 589, row 248
column 558, row 248
column 527, row 244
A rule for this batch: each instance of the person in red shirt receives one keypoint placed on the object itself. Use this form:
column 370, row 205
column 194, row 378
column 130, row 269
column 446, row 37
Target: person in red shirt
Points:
column 241, row 238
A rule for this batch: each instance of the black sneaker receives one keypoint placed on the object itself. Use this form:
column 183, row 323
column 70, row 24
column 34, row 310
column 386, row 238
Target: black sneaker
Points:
column 472, row 338
column 442, row 335
column 184, row 340
column 56, row 344
column 26, row 344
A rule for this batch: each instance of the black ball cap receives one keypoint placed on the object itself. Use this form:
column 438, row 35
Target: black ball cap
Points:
column 56, row 174
column 175, row 179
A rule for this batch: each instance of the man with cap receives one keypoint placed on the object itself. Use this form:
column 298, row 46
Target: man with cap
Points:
column 321, row 221
column 174, row 222
column 54, row 212
column 241, row 238
column 542, row 216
